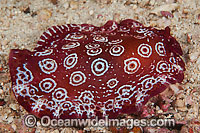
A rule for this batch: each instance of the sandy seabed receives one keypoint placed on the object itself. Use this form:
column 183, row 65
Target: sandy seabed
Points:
column 22, row 23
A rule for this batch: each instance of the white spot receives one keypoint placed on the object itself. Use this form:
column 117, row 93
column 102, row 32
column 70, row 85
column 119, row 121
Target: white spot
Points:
column 131, row 65
column 53, row 29
column 47, row 85
column 70, row 45
column 32, row 91
column 77, row 78
column 75, row 37
column 41, row 40
column 45, row 52
column 24, row 76
column 160, row 49
column 67, row 105
column 94, row 51
column 144, row 50
column 59, row 95
column 44, row 36
column 115, row 41
column 70, row 61
column 100, row 38
column 108, row 105
column 48, row 65
column 99, row 66
column 57, row 27
column 112, row 83
column 163, row 66
column 172, row 60
column 48, row 32
column 116, row 50
column 92, row 46
column 87, row 28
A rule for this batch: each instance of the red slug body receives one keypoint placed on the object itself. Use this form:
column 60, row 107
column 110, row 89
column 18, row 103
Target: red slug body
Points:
column 83, row 71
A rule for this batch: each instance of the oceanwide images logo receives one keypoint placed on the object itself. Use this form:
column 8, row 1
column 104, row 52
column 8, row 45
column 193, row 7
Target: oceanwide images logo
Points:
column 31, row 121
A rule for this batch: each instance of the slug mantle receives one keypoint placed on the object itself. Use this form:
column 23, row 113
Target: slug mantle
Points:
column 83, row 71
